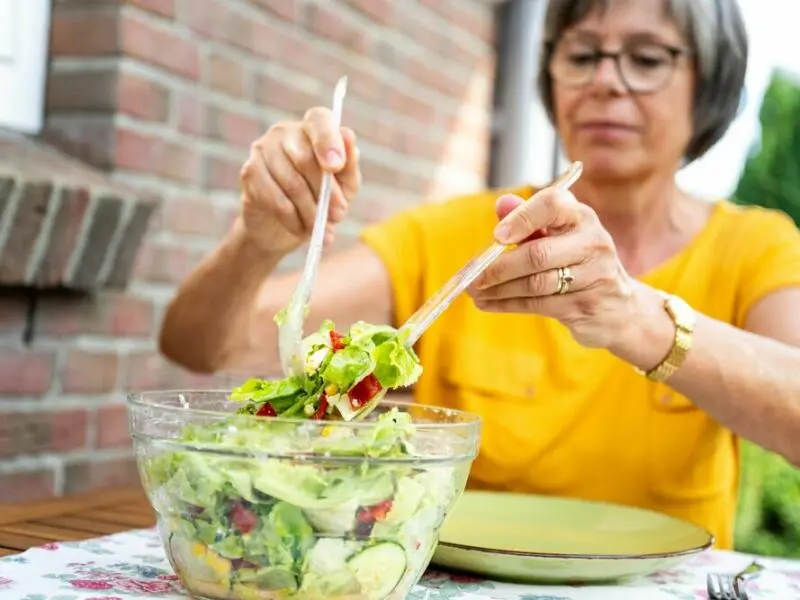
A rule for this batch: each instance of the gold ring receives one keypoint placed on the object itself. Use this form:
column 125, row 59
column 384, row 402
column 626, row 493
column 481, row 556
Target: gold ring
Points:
column 565, row 279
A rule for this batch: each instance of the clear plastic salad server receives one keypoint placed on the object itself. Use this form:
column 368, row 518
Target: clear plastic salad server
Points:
column 290, row 331
column 419, row 322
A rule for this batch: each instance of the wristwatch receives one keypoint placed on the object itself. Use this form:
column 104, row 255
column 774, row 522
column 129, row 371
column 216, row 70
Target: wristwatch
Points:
column 684, row 318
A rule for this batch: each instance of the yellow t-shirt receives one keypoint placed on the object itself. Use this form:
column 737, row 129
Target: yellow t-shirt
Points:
column 561, row 419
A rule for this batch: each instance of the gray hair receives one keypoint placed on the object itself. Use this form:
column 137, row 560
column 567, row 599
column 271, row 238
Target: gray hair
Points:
column 716, row 31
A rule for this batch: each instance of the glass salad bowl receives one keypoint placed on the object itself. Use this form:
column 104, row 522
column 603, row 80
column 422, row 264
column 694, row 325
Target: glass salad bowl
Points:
column 253, row 507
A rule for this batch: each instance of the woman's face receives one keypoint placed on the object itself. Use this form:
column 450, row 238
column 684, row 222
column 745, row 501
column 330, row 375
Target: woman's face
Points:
column 618, row 133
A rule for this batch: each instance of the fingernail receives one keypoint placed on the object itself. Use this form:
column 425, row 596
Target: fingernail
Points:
column 334, row 159
column 502, row 232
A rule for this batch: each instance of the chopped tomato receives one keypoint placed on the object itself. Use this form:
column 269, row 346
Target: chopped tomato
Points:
column 323, row 406
column 381, row 509
column 371, row 514
column 266, row 410
column 336, row 340
column 242, row 518
column 364, row 391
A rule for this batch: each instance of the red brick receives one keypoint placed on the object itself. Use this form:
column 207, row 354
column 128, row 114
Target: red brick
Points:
column 13, row 308
column 219, row 21
column 33, row 433
column 82, row 90
column 64, row 236
column 374, row 172
column 161, row 263
column 435, row 78
column 286, row 9
column 25, row 229
column 101, row 314
column 132, row 317
column 380, row 11
column 151, row 371
column 481, row 26
column 84, row 33
column 236, row 129
column 142, row 97
column 95, row 474
column 222, row 174
column 192, row 114
column 112, row 426
column 379, row 130
column 279, row 94
column 367, row 86
column 417, row 144
column 190, row 216
column 88, row 372
column 27, row 487
column 407, row 105
column 160, row 46
column 165, row 8
column 86, row 137
column 328, row 23
column 25, row 372
column 225, row 75
column 147, row 154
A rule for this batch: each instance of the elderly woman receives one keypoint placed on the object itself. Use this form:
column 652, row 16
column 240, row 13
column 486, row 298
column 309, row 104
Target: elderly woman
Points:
column 619, row 356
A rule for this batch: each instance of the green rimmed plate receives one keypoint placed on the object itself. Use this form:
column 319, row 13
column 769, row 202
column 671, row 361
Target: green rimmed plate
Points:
column 539, row 539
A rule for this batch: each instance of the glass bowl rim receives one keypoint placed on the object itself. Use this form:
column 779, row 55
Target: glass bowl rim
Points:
column 148, row 399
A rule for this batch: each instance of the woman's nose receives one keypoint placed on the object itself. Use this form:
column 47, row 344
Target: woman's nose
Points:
column 607, row 76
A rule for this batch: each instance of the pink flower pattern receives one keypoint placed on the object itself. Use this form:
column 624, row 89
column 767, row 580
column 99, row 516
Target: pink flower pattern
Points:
column 131, row 566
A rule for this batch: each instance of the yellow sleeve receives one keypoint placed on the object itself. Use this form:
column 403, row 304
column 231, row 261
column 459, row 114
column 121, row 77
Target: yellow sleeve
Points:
column 398, row 242
column 772, row 244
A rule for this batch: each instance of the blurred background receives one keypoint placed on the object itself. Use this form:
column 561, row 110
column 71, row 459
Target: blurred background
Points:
column 123, row 126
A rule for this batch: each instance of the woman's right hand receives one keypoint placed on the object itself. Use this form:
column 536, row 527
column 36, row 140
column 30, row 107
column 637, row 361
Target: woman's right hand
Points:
column 282, row 177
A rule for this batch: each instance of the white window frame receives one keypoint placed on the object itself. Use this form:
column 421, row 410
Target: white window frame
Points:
column 24, row 35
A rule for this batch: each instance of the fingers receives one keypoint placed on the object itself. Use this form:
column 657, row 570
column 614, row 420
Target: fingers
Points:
column 293, row 186
column 534, row 257
column 297, row 148
column 506, row 204
column 537, row 285
column 260, row 185
column 326, row 140
column 349, row 178
column 549, row 209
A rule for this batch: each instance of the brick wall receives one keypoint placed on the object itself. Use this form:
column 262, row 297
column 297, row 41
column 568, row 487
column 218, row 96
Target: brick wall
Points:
column 168, row 94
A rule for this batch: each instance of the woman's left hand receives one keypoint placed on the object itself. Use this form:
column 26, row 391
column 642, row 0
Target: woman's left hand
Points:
column 571, row 273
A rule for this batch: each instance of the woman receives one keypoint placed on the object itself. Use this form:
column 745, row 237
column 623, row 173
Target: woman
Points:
column 620, row 356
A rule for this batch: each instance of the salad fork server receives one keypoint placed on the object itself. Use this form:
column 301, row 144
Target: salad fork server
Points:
column 290, row 320
column 419, row 322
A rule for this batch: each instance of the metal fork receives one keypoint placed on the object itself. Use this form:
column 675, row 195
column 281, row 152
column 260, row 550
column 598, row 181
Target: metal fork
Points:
column 722, row 586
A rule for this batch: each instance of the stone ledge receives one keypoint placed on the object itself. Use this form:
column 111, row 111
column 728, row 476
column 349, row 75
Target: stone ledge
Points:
column 64, row 224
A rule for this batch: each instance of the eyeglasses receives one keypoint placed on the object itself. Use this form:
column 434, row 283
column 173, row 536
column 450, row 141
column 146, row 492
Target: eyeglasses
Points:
column 643, row 68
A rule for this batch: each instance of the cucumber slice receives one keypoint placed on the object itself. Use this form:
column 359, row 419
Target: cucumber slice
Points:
column 378, row 569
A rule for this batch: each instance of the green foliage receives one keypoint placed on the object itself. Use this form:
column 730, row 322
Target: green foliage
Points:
column 768, row 519
column 771, row 177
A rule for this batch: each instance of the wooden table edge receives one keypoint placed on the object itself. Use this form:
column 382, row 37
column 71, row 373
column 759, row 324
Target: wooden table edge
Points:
column 63, row 505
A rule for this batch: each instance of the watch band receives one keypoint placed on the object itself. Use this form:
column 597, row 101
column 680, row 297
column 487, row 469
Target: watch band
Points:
column 684, row 318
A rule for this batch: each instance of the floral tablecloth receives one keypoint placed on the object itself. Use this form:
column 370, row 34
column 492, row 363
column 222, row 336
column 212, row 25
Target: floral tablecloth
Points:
column 132, row 565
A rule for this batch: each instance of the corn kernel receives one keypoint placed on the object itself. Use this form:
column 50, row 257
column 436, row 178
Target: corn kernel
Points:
column 332, row 389
column 327, row 430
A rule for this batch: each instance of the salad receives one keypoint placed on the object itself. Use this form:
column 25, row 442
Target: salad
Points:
column 327, row 501
column 345, row 375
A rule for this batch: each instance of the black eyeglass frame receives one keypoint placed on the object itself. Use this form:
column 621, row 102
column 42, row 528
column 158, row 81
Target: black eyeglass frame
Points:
column 675, row 52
